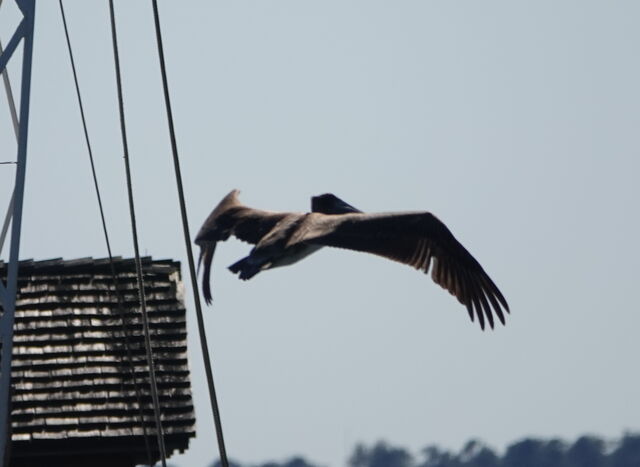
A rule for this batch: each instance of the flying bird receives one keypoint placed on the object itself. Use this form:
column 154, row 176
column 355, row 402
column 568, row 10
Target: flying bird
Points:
column 230, row 216
column 418, row 239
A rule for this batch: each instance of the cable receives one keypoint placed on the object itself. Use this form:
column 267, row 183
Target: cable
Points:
column 120, row 307
column 187, row 241
column 134, row 231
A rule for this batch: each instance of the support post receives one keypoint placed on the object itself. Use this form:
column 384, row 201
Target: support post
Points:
column 23, row 32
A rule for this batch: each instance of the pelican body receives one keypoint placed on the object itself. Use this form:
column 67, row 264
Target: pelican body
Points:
column 417, row 239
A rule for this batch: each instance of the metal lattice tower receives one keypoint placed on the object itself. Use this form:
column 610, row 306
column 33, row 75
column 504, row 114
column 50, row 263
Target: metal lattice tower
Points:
column 24, row 33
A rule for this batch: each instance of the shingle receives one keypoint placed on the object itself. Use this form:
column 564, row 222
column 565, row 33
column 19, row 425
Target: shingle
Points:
column 71, row 376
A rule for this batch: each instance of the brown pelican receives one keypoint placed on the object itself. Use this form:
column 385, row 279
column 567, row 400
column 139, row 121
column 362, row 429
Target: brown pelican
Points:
column 230, row 216
column 418, row 239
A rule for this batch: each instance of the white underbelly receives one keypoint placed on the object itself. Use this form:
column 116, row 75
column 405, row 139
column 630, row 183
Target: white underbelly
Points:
column 295, row 256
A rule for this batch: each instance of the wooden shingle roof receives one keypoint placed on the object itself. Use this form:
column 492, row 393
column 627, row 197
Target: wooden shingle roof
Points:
column 74, row 394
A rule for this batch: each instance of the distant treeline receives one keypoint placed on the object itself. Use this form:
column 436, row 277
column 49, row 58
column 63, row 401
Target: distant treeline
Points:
column 586, row 451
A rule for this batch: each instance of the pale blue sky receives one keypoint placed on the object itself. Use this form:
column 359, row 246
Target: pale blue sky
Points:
column 515, row 122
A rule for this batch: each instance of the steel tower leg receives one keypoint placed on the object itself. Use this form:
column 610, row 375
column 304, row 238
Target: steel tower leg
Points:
column 23, row 32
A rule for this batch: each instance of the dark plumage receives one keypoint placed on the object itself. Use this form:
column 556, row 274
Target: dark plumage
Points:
column 330, row 204
column 418, row 239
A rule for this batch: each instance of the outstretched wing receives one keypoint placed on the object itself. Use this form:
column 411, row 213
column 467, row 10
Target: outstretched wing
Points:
column 420, row 240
